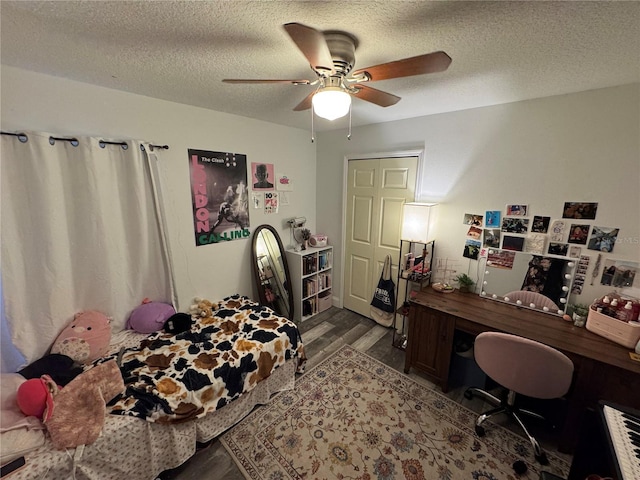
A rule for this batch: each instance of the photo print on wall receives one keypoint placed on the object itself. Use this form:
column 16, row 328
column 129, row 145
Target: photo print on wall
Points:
column 580, row 210
column 540, row 224
column 558, row 249
column 517, row 210
column 491, row 238
column 578, row 234
column 557, row 231
column 262, row 176
column 471, row 249
column 515, row 225
column 474, row 232
column 501, row 259
column 219, row 196
column 509, row 242
column 535, row 243
column 603, row 239
column 472, row 219
column 618, row 273
column 492, row 218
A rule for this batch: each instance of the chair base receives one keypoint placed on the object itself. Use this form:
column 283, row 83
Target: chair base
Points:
column 507, row 407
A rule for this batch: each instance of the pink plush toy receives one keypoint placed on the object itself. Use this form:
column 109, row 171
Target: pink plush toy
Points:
column 86, row 338
column 150, row 316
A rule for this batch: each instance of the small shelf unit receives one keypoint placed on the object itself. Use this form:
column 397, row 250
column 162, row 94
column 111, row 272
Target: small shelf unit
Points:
column 415, row 267
column 311, row 281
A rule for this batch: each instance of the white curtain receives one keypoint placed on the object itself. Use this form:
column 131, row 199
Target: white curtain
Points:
column 81, row 230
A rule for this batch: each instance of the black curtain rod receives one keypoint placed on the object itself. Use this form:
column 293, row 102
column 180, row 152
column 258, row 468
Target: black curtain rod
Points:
column 74, row 141
column 21, row 136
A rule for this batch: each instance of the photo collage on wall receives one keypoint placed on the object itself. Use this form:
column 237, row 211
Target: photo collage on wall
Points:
column 572, row 235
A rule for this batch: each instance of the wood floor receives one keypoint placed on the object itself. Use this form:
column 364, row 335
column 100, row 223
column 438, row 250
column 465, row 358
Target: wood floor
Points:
column 322, row 335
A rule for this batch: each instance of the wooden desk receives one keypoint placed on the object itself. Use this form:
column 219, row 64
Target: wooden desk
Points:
column 603, row 369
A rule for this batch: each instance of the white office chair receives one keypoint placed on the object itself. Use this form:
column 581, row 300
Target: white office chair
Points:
column 524, row 367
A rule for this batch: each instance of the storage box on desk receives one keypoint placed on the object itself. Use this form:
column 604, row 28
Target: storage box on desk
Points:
column 618, row 331
column 324, row 300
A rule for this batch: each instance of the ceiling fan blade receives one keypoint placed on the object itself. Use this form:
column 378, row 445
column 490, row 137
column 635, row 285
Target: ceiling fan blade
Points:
column 373, row 95
column 312, row 44
column 240, row 80
column 428, row 63
column 305, row 104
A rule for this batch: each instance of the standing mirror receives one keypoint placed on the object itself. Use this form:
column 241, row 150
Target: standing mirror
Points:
column 271, row 271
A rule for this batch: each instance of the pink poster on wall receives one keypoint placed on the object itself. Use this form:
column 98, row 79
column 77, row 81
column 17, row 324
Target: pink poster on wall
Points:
column 262, row 176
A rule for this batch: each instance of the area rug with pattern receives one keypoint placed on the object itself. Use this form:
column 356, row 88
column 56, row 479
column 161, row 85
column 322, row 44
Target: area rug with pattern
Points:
column 352, row 417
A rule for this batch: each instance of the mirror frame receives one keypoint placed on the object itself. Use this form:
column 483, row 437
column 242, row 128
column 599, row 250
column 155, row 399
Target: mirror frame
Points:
column 570, row 265
column 285, row 266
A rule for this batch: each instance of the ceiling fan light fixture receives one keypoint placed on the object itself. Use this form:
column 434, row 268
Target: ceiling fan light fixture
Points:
column 331, row 103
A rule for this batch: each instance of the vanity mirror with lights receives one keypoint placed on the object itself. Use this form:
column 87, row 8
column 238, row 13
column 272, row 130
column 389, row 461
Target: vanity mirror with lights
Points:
column 538, row 282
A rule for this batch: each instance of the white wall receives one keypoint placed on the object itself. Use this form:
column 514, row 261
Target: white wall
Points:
column 544, row 152
column 38, row 102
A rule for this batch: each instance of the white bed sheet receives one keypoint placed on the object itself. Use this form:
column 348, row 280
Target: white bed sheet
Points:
column 135, row 449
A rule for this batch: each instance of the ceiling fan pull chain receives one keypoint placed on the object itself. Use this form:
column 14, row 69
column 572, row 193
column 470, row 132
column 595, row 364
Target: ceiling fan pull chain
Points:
column 349, row 135
column 312, row 131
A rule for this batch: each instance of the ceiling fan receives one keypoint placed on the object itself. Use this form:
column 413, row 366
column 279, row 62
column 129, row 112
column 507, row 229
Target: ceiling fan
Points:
column 331, row 55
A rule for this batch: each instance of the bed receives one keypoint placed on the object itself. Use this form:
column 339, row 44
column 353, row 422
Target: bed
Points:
column 231, row 360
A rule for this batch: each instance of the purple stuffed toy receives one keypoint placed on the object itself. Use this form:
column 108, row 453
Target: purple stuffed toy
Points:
column 150, row 316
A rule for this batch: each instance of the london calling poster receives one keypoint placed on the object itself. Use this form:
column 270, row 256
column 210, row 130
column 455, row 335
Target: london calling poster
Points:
column 219, row 196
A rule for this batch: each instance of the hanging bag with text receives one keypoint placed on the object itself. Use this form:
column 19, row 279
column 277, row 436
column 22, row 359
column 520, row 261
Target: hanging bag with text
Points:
column 383, row 305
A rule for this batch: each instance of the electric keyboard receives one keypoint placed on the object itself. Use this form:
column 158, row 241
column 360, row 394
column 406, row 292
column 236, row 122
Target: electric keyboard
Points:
column 624, row 432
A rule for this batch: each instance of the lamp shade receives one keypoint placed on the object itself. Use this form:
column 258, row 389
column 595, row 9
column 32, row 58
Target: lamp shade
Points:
column 331, row 103
column 417, row 219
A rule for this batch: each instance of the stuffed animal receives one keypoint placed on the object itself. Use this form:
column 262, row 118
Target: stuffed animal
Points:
column 86, row 338
column 202, row 307
column 35, row 397
column 150, row 316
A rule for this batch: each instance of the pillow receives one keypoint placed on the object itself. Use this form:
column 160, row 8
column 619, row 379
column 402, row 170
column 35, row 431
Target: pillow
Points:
column 150, row 316
column 86, row 338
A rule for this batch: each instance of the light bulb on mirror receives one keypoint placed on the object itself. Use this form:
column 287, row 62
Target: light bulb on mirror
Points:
column 494, row 296
column 560, row 312
column 519, row 302
column 571, row 264
column 567, row 276
column 563, row 300
column 506, row 299
column 484, row 283
column 483, row 293
column 532, row 305
column 546, row 309
column 565, row 288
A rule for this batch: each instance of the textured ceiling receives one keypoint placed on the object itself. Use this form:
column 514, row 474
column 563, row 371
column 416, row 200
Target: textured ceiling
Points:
column 181, row 50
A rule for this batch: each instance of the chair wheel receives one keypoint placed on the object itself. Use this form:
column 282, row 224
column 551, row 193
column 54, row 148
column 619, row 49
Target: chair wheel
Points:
column 519, row 467
column 542, row 459
column 480, row 431
column 467, row 394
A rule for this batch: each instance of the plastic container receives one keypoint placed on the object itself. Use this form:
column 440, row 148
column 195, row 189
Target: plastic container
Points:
column 624, row 333
column 324, row 300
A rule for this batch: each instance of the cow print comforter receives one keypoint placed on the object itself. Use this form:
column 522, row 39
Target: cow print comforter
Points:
column 174, row 378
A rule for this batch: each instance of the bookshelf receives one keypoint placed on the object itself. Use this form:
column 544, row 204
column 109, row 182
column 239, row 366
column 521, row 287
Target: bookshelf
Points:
column 311, row 280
